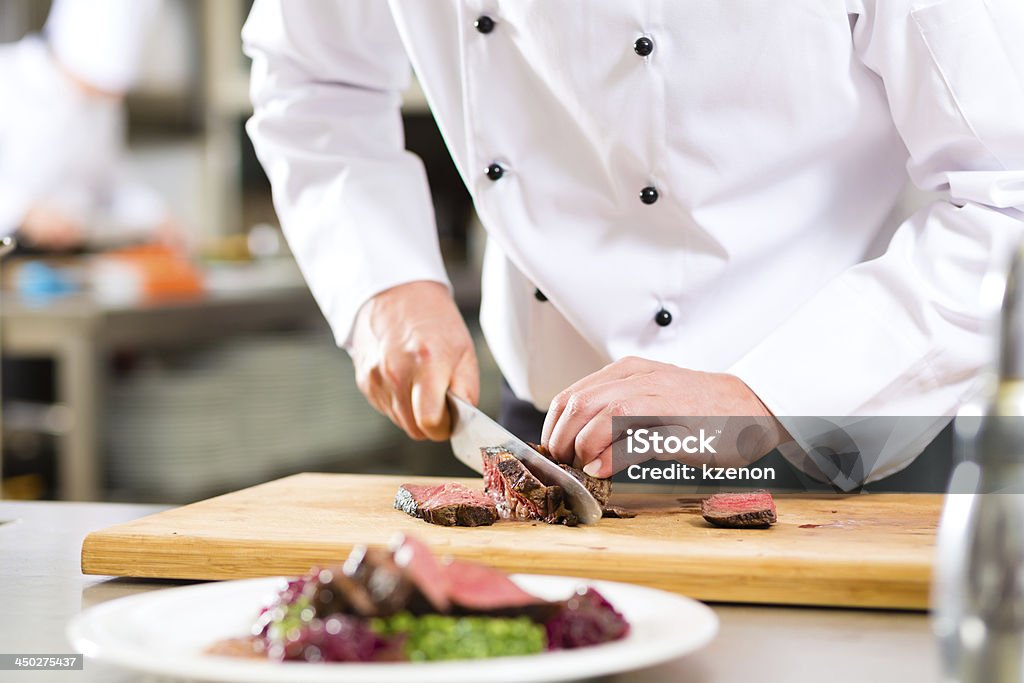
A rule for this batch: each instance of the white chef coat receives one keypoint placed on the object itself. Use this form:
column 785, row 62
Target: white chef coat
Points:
column 61, row 147
column 777, row 136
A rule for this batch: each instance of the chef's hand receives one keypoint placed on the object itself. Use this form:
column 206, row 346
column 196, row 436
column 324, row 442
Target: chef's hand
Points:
column 409, row 345
column 578, row 425
column 49, row 228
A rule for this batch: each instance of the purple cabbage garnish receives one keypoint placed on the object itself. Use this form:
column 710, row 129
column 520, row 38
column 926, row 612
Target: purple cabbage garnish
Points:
column 585, row 619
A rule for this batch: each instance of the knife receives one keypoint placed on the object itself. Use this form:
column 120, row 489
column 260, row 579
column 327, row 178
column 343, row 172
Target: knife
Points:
column 473, row 430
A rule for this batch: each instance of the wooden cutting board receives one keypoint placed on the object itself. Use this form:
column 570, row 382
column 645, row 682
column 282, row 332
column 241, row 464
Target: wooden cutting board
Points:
column 862, row 550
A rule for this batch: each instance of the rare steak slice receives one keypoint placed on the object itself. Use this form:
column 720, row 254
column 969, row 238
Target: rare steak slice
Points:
column 740, row 510
column 518, row 494
column 424, row 570
column 477, row 589
column 449, row 504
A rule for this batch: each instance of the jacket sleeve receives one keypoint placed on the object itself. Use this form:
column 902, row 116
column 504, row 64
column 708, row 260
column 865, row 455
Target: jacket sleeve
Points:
column 907, row 333
column 354, row 205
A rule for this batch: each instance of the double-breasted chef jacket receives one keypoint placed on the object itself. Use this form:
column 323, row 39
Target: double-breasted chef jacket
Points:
column 699, row 183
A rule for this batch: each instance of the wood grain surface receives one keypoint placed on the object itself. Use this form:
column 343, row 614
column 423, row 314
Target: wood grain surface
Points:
column 859, row 551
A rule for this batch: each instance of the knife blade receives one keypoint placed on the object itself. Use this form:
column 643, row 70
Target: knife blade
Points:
column 472, row 430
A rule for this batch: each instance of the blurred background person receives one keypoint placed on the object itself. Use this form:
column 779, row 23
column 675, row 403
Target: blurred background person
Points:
column 63, row 184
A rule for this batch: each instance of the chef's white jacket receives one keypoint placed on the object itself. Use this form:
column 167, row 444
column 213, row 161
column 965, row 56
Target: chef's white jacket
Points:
column 59, row 146
column 777, row 136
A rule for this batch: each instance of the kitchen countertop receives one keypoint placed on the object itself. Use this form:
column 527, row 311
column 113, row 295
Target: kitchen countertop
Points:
column 41, row 587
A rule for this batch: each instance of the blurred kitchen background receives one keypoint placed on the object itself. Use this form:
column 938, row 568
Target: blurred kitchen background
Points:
column 131, row 373
column 123, row 384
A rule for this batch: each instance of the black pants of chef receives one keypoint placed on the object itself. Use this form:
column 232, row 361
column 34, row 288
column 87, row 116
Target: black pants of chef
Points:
column 928, row 473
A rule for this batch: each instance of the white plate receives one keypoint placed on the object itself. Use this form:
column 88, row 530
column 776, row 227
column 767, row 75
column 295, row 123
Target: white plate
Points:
column 165, row 632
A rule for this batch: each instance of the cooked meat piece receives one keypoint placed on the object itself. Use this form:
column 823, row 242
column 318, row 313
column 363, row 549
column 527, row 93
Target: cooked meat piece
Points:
column 518, row 494
column 461, row 587
column 424, row 570
column 478, row 589
column 374, row 582
column 449, row 504
column 740, row 510
column 389, row 587
column 340, row 593
column 600, row 489
column 616, row 512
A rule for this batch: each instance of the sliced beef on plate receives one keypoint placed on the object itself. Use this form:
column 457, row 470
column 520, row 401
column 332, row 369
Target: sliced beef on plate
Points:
column 518, row 494
column 389, row 586
column 477, row 589
column 449, row 504
column 740, row 510
column 341, row 593
column 463, row 587
column 424, row 570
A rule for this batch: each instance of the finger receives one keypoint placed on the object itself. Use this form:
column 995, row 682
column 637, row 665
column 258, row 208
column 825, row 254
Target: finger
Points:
column 580, row 409
column 606, row 463
column 428, row 400
column 595, row 437
column 620, row 369
column 397, row 385
column 369, row 384
column 466, row 377
column 380, row 399
column 602, row 466
column 401, row 414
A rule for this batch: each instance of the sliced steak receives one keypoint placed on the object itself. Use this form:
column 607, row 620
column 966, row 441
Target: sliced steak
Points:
column 339, row 593
column 449, row 504
column 518, row 494
column 600, row 489
column 389, row 586
column 406, row 577
column 424, row 570
column 477, row 589
column 740, row 510
column 616, row 512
